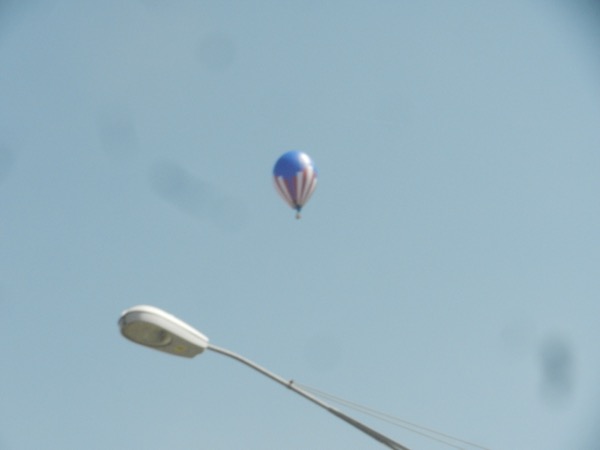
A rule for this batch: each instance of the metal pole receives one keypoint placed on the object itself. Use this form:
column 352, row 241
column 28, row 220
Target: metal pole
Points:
column 290, row 385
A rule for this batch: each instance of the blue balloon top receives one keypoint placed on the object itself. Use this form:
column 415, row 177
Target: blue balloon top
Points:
column 290, row 163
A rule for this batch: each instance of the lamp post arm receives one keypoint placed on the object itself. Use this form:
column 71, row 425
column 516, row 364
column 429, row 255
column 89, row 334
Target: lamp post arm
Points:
column 290, row 385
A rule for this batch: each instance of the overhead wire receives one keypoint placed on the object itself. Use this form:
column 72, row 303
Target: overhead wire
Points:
column 451, row 441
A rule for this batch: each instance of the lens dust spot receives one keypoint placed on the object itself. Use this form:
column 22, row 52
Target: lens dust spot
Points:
column 196, row 197
column 556, row 364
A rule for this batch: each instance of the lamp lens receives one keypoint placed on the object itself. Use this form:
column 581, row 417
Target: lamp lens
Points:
column 147, row 334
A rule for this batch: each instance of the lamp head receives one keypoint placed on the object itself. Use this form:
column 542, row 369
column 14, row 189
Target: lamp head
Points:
column 155, row 328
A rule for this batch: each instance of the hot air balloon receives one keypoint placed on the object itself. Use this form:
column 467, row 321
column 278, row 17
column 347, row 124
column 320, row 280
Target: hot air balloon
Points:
column 295, row 178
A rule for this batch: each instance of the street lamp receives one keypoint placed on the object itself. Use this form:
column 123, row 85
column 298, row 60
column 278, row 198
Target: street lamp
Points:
column 155, row 328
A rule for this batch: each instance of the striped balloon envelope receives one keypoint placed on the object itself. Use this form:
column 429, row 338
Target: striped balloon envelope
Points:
column 295, row 178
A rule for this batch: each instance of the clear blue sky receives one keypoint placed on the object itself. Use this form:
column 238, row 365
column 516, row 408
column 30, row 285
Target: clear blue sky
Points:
column 446, row 270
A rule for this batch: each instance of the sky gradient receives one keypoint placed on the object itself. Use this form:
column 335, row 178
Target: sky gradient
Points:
column 445, row 270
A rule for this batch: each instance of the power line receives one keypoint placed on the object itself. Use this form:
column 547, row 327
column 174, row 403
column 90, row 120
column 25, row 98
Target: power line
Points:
column 430, row 433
